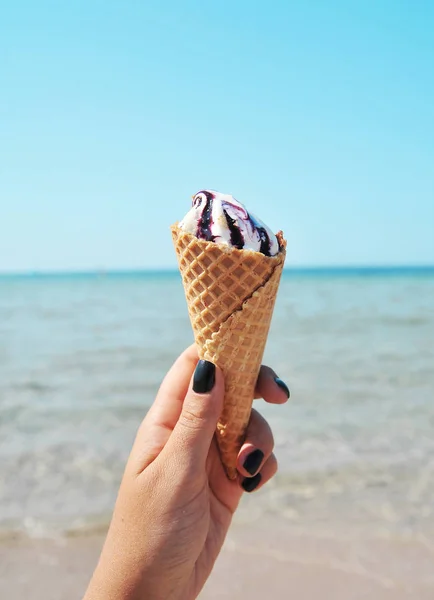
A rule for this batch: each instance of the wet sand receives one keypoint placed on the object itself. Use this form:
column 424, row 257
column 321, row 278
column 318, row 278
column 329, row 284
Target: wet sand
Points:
column 258, row 561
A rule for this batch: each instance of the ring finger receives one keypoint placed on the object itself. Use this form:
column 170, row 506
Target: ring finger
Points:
column 258, row 446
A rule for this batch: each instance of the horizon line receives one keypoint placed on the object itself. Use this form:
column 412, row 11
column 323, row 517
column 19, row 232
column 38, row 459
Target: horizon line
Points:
column 363, row 268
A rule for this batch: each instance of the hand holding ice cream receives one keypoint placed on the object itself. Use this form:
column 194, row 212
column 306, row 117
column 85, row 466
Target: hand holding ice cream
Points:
column 175, row 503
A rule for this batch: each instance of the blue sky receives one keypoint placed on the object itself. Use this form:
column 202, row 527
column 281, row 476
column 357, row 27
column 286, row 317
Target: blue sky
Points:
column 318, row 115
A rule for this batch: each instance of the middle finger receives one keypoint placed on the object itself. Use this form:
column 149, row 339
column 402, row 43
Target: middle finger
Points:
column 270, row 387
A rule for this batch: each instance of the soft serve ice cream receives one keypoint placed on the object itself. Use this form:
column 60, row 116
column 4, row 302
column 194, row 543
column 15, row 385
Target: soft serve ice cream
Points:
column 220, row 218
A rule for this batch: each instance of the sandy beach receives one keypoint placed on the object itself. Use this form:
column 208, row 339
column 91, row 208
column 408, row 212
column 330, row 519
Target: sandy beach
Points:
column 264, row 560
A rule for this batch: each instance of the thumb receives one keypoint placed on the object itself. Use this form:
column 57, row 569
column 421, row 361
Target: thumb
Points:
column 201, row 409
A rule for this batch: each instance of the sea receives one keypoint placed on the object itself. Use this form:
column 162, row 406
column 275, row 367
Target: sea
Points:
column 82, row 356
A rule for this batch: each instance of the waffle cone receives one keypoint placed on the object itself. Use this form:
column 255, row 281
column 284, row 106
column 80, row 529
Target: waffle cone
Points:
column 230, row 296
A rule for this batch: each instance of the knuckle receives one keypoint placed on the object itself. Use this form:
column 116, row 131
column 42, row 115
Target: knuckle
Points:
column 191, row 418
column 260, row 431
column 273, row 466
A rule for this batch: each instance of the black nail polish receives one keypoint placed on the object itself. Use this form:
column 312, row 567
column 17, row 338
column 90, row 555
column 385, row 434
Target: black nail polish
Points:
column 253, row 461
column 204, row 377
column 282, row 386
column 251, row 483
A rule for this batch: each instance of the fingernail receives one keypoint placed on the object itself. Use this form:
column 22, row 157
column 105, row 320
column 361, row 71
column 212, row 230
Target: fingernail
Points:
column 282, row 386
column 204, row 377
column 251, row 483
column 253, row 461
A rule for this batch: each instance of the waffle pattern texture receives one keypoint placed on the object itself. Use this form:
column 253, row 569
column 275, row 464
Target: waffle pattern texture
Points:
column 230, row 296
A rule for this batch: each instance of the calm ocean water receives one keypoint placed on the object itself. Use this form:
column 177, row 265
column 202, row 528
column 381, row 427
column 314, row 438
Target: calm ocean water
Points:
column 81, row 358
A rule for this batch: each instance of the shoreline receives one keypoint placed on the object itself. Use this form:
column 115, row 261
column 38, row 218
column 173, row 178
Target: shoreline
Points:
column 261, row 559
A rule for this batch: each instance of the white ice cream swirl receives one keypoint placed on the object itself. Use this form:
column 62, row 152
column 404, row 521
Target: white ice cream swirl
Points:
column 220, row 218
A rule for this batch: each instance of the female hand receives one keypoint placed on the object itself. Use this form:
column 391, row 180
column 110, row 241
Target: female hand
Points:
column 175, row 503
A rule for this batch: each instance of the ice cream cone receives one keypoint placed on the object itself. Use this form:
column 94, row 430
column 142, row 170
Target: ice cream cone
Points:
column 230, row 296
